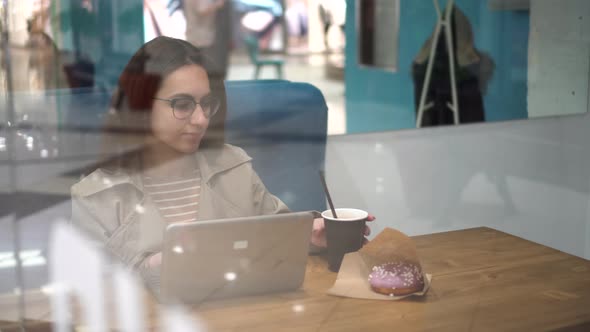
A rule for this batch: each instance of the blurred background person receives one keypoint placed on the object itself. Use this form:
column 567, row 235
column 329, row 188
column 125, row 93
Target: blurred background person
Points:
column 208, row 27
column 297, row 22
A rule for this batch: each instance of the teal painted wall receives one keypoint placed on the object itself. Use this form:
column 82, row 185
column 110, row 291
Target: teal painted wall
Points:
column 378, row 100
column 107, row 37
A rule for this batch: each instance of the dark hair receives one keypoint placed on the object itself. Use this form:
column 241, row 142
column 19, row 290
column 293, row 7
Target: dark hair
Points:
column 142, row 77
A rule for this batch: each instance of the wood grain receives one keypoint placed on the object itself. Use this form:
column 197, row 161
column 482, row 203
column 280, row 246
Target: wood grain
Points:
column 483, row 280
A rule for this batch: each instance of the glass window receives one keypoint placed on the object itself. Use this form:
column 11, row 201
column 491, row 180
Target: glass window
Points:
column 157, row 152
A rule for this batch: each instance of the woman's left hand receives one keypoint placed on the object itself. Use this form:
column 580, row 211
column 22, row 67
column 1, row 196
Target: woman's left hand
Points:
column 318, row 233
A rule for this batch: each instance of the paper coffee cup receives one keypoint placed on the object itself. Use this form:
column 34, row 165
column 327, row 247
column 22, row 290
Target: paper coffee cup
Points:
column 343, row 234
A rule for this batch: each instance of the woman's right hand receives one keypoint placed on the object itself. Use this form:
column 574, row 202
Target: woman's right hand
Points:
column 154, row 261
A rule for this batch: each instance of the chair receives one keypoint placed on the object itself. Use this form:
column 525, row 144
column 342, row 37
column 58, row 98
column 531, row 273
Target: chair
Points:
column 282, row 125
column 253, row 52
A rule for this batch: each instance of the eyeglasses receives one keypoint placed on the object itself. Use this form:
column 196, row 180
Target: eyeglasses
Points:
column 183, row 108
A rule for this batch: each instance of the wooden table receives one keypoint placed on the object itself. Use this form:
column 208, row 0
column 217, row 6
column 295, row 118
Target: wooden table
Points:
column 483, row 280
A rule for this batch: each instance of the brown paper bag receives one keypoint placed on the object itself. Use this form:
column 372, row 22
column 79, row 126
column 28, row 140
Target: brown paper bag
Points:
column 390, row 245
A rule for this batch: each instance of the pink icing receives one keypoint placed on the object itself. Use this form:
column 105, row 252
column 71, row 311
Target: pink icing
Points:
column 396, row 275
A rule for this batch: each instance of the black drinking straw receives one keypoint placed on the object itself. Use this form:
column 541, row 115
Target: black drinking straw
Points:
column 323, row 178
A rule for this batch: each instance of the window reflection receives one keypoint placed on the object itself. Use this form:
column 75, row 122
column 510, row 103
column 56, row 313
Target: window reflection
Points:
column 84, row 112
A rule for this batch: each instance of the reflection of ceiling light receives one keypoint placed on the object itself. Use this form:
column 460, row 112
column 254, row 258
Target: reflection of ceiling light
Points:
column 47, row 289
column 139, row 208
column 30, row 142
column 44, row 153
column 7, row 263
column 2, row 144
column 230, row 276
column 35, row 261
column 53, row 287
column 298, row 308
column 379, row 189
column 28, row 258
column 178, row 249
column 24, row 254
column 378, row 147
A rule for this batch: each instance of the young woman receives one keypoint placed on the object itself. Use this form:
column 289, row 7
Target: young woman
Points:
column 181, row 172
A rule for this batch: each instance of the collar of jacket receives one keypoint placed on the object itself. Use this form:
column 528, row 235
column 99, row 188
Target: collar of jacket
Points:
column 211, row 162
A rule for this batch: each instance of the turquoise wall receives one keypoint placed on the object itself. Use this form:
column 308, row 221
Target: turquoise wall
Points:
column 107, row 37
column 378, row 100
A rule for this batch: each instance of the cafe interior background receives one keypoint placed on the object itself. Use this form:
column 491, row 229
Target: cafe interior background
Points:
column 502, row 143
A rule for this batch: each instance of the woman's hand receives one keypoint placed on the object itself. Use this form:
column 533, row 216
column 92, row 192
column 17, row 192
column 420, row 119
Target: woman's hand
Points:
column 318, row 233
column 154, row 261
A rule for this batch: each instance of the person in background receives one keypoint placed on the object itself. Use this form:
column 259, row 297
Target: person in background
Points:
column 333, row 13
column 208, row 27
column 297, row 22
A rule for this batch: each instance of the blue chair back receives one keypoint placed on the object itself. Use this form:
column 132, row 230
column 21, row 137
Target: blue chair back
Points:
column 282, row 125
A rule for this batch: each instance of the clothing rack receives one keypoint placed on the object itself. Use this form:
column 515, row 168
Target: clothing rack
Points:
column 443, row 20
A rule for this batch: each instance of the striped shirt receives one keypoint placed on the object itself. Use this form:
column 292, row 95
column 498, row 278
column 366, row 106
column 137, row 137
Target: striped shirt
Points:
column 176, row 199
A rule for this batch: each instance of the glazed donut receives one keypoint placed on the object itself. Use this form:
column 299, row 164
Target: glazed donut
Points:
column 396, row 278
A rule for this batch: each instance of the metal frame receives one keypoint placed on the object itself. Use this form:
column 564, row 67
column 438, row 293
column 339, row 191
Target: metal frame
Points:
column 444, row 19
column 10, row 146
column 357, row 21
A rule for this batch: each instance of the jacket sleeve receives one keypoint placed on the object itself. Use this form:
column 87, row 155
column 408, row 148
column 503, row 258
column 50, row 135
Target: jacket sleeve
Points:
column 117, row 240
column 86, row 220
column 270, row 204
column 106, row 236
column 265, row 202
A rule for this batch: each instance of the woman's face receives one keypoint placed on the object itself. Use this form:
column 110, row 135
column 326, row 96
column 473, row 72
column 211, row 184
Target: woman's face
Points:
column 187, row 82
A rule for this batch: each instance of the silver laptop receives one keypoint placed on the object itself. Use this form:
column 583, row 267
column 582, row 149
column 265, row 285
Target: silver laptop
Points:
column 235, row 257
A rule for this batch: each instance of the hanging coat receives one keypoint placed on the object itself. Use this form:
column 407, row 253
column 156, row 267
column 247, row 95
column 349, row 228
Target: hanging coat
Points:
column 473, row 70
